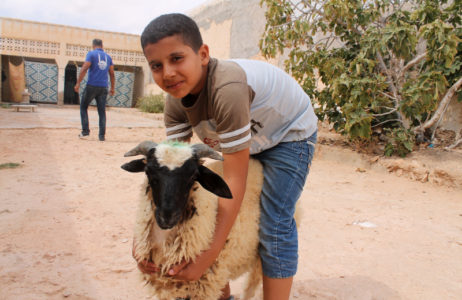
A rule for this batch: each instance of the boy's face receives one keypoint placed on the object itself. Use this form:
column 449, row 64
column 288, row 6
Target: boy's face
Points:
column 176, row 68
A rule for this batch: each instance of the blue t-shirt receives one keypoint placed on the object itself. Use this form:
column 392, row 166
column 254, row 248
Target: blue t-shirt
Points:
column 98, row 71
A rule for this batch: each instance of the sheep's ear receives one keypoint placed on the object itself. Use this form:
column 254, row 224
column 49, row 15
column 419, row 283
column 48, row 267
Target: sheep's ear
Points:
column 135, row 166
column 212, row 182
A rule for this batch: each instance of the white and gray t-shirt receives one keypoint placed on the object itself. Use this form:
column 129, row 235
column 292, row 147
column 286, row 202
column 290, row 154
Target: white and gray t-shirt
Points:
column 245, row 103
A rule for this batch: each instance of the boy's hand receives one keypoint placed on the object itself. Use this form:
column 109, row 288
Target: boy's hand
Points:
column 144, row 266
column 147, row 267
column 192, row 271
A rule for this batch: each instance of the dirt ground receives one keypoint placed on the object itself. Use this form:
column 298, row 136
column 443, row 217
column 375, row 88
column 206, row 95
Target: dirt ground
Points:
column 372, row 228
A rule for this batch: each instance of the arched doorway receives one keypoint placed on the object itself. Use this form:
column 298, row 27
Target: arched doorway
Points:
column 70, row 79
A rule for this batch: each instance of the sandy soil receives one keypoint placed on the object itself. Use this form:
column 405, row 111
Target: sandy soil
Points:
column 66, row 216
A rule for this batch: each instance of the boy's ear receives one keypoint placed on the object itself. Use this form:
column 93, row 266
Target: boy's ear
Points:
column 213, row 183
column 204, row 54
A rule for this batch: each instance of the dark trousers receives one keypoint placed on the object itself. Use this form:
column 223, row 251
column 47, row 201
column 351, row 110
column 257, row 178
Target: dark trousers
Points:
column 100, row 95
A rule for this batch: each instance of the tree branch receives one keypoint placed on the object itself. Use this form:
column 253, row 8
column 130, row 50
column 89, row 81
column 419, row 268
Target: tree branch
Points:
column 388, row 96
column 384, row 114
column 412, row 63
column 387, row 121
column 391, row 84
column 441, row 107
column 385, row 107
column 439, row 120
column 456, row 143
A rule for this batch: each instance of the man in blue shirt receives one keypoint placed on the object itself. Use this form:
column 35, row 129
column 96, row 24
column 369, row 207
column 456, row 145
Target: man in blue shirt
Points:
column 99, row 64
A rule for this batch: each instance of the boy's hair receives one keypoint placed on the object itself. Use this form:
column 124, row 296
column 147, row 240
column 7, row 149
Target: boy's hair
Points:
column 169, row 25
column 97, row 43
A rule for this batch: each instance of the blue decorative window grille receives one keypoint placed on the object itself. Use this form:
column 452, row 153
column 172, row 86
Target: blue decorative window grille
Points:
column 42, row 81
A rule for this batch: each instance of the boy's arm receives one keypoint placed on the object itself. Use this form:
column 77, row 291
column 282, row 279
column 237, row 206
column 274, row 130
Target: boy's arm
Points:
column 235, row 167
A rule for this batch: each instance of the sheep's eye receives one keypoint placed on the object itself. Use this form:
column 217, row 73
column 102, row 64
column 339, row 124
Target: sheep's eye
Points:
column 193, row 177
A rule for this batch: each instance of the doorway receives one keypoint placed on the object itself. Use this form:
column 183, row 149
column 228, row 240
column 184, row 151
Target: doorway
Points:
column 70, row 79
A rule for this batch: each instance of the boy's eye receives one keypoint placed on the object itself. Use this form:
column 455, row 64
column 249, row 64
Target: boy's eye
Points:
column 177, row 58
column 156, row 67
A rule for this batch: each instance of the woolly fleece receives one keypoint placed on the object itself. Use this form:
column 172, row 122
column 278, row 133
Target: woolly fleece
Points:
column 187, row 240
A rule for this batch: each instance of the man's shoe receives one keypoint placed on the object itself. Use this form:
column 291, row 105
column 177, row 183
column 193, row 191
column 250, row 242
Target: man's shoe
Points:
column 101, row 138
column 81, row 135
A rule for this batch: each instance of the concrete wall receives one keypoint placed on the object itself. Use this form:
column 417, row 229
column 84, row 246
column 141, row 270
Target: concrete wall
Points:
column 231, row 29
column 452, row 119
column 66, row 44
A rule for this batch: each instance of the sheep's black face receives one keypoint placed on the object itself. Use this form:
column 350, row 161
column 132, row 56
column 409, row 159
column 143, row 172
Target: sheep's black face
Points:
column 171, row 173
column 170, row 190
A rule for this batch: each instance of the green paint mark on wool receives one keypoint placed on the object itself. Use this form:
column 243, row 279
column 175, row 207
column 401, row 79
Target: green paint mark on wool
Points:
column 176, row 143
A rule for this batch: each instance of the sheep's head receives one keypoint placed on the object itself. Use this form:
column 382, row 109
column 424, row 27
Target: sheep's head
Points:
column 172, row 169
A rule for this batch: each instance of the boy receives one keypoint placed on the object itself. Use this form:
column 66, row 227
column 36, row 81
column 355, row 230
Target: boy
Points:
column 240, row 108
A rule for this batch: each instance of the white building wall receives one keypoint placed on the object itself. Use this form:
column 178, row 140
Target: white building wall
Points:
column 66, row 44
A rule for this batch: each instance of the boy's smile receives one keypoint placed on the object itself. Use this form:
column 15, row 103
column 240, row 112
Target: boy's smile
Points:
column 176, row 68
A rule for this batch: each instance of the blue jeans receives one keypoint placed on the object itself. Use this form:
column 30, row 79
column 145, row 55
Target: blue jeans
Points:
column 100, row 95
column 285, row 169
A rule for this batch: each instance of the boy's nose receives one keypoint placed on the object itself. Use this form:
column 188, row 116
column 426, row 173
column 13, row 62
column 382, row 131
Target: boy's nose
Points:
column 169, row 71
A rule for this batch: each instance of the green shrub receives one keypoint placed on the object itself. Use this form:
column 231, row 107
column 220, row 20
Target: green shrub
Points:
column 400, row 142
column 151, row 103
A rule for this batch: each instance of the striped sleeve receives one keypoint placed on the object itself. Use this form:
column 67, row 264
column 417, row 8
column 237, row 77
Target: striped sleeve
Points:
column 235, row 138
column 232, row 114
column 177, row 126
column 181, row 131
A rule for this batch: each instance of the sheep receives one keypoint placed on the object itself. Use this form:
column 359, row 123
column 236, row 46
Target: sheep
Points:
column 177, row 214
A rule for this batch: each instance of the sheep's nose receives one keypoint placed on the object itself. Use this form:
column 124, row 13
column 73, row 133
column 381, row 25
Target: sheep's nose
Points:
column 167, row 220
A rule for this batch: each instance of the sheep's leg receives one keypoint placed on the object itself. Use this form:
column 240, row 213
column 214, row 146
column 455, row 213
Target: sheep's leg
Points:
column 253, row 280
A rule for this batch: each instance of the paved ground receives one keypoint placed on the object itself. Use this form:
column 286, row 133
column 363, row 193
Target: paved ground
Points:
column 50, row 116
column 67, row 213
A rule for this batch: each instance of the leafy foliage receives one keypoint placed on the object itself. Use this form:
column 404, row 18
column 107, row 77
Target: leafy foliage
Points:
column 371, row 64
column 400, row 142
